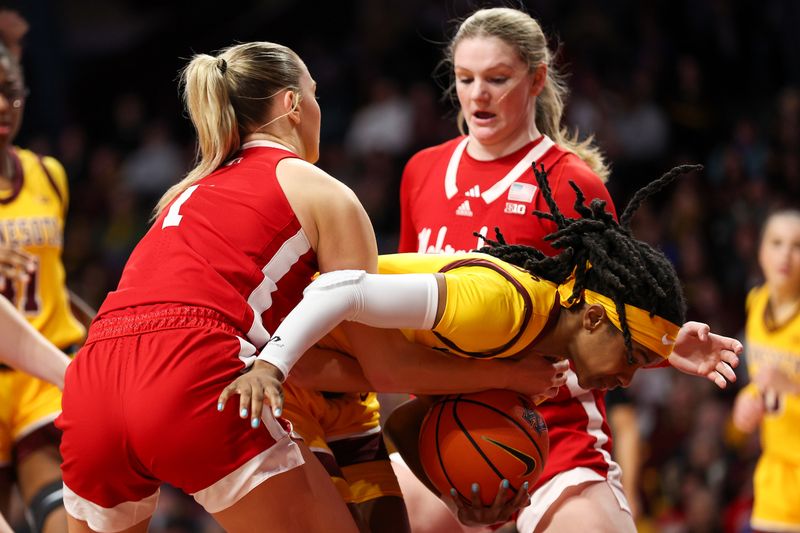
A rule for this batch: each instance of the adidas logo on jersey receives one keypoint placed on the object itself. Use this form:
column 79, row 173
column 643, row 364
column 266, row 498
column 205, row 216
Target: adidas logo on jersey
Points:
column 474, row 192
column 464, row 210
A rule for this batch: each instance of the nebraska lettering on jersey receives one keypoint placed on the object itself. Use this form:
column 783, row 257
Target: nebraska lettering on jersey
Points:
column 231, row 243
column 439, row 246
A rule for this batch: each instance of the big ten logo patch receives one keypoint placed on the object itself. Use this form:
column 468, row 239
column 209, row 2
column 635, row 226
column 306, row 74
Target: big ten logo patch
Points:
column 515, row 209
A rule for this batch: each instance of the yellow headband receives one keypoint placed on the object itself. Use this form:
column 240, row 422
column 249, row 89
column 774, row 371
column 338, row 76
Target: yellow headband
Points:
column 655, row 333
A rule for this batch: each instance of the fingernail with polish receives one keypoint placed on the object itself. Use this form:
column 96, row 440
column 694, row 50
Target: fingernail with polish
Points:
column 254, row 423
column 220, row 406
column 277, row 411
column 243, row 414
column 505, row 484
column 453, row 493
column 525, row 486
column 475, row 487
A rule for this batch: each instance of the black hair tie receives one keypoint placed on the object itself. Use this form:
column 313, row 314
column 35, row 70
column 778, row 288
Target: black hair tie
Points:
column 222, row 65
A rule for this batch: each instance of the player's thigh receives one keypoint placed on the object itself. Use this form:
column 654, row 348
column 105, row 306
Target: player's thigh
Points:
column 79, row 526
column 6, row 484
column 590, row 507
column 39, row 481
column 427, row 513
column 300, row 499
column 39, row 468
column 386, row 514
column 4, row 527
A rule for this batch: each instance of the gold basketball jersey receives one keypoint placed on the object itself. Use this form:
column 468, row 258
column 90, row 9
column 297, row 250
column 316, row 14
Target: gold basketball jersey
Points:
column 494, row 309
column 779, row 346
column 776, row 481
column 32, row 217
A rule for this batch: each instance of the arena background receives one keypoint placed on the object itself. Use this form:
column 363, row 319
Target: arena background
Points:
column 660, row 82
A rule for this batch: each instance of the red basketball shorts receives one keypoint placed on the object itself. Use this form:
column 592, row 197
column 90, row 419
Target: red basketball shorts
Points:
column 139, row 409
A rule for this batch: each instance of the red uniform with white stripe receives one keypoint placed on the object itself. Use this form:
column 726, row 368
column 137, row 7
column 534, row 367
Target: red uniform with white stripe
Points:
column 445, row 196
column 218, row 270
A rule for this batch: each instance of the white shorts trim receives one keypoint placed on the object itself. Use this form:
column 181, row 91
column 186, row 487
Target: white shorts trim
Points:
column 284, row 455
column 30, row 428
column 371, row 431
column 317, row 449
column 547, row 494
column 109, row 520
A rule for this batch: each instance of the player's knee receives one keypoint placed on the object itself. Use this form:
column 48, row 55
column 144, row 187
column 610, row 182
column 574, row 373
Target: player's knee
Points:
column 50, row 498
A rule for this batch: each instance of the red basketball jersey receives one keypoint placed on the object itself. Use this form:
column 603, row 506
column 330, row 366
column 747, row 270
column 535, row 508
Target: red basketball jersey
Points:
column 446, row 195
column 231, row 243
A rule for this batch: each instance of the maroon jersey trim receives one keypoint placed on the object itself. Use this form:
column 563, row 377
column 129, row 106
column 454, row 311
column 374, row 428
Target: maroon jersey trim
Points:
column 517, row 285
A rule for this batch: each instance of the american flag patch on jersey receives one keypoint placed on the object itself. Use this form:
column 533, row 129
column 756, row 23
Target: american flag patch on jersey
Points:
column 521, row 192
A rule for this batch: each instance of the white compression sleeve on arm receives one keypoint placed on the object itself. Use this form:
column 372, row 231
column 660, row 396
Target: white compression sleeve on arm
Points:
column 379, row 300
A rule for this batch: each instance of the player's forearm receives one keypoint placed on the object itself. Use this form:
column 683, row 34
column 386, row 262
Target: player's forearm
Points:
column 329, row 370
column 27, row 350
column 4, row 527
column 81, row 310
column 394, row 364
column 384, row 301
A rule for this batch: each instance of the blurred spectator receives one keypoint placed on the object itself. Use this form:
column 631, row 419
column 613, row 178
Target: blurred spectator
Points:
column 151, row 167
column 384, row 124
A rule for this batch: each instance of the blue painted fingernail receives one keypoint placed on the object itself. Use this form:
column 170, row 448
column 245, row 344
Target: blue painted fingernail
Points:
column 475, row 487
column 254, row 423
column 277, row 411
column 220, row 406
column 453, row 493
column 243, row 414
column 525, row 486
column 505, row 484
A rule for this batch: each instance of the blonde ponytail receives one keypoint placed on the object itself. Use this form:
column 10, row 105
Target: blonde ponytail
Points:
column 206, row 99
column 228, row 97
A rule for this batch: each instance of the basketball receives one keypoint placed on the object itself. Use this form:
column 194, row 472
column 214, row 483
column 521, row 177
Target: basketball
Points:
column 483, row 438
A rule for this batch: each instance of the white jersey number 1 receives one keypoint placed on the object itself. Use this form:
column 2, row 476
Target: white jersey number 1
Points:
column 174, row 216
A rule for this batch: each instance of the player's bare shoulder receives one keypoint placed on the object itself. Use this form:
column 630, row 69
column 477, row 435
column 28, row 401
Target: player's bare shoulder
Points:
column 309, row 183
column 320, row 201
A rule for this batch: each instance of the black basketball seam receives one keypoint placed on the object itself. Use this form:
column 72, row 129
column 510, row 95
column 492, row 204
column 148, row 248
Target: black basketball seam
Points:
column 475, row 444
column 524, row 430
column 438, row 451
column 463, row 429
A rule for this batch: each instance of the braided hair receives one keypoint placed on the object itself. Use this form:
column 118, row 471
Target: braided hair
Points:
column 603, row 254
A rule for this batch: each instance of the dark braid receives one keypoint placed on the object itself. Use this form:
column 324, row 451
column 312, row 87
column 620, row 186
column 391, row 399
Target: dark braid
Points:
column 623, row 268
column 652, row 188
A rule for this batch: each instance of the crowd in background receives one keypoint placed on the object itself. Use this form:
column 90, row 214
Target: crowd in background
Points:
column 658, row 83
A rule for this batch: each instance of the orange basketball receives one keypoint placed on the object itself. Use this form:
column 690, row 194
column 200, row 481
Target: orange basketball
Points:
column 483, row 438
